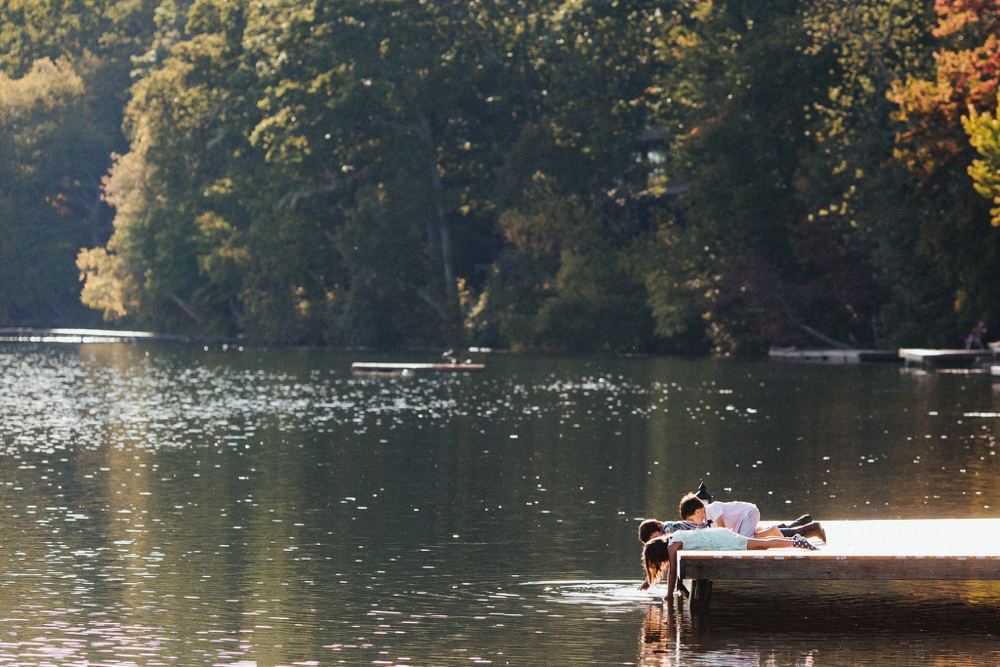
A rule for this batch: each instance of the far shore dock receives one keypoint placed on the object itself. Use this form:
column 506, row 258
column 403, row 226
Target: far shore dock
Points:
column 37, row 335
column 932, row 359
column 834, row 356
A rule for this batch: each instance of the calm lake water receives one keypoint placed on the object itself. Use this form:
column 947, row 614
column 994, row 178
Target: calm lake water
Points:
column 177, row 506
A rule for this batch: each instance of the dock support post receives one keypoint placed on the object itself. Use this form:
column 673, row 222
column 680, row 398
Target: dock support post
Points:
column 701, row 595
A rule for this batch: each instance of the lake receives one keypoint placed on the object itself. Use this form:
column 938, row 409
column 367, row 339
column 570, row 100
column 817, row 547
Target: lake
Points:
column 168, row 505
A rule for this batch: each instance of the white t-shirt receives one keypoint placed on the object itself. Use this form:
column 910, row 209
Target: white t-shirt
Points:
column 738, row 517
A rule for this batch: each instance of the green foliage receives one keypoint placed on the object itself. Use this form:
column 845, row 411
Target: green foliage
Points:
column 563, row 287
column 65, row 75
column 727, row 258
column 984, row 132
column 48, row 205
column 955, row 230
column 603, row 175
column 859, row 235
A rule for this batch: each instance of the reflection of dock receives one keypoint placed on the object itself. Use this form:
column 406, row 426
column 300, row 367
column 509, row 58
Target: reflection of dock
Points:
column 944, row 358
column 379, row 368
column 946, row 549
column 833, row 356
column 852, row 623
column 32, row 335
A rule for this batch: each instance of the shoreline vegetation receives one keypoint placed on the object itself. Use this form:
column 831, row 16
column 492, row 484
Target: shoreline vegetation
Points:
column 696, row 177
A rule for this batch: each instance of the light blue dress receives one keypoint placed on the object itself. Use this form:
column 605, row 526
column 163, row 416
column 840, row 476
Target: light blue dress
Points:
column 709, row 539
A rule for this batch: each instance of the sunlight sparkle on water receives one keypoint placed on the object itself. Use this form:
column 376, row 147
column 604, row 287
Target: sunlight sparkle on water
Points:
column 190, row 507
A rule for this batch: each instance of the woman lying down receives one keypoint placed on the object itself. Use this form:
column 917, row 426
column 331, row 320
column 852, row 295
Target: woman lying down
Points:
column 662, row 550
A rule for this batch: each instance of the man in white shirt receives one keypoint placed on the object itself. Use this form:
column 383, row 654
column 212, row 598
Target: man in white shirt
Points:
column 742, row 518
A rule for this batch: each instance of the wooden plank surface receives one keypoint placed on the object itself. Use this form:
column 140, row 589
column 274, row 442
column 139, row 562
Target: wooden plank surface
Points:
column 36, row 335
column 943, row 549
column 833, row 356
column 943, row 358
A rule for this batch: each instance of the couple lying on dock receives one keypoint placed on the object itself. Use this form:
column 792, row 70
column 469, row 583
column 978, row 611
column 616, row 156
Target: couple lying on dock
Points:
column 732, row 526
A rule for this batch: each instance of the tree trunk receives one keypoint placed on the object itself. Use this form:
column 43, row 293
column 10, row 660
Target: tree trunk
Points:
column 437, row 194
column 445, row 234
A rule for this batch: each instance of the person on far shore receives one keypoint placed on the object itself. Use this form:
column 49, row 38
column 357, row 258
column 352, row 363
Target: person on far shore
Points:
column 975, row 339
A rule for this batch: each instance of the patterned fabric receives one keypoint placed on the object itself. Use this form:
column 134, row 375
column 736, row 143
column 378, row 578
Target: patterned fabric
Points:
column 674, row 526
column 803, row 543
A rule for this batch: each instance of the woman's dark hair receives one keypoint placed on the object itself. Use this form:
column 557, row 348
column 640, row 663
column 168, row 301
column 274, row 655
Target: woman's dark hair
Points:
column 654, row 555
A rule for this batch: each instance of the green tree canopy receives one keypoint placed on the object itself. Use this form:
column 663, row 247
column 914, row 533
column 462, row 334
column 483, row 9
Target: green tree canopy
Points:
column 602, row 175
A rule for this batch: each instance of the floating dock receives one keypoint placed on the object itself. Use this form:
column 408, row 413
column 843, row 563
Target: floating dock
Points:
column 33, row 335
column 944, row 549
column 834, row 356
column 933, row 359
column 380, row 368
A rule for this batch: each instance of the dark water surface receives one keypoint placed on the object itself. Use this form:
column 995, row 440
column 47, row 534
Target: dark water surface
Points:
column 176, row 506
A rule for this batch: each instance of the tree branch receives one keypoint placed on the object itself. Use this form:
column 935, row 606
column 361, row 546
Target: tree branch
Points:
column 185, row 307
column 434, row 304
column 808, row 329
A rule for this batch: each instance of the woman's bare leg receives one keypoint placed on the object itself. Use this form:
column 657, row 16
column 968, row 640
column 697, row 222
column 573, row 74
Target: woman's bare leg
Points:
column 771, row 531
column 755, row 544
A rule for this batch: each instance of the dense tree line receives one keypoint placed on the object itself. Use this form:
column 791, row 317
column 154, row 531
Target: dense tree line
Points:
column 622, row 175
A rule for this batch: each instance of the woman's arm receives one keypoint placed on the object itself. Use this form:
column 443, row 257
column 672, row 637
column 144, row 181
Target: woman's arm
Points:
column 672, row 568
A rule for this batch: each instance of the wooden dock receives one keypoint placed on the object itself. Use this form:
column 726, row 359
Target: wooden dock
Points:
column 381, row 368
column 944, row 549
column 833, row 356
column 933, row 359
column 36, row 335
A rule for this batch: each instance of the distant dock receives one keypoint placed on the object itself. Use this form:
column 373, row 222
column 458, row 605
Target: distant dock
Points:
column 381, row 368
column 33, row 335
column 945, row 549
column 834, row 356
column 933, row 359
column 911, row 357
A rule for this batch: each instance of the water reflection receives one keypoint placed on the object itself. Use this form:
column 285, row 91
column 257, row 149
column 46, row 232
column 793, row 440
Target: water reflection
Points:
column 163, row 505
column 834, row 623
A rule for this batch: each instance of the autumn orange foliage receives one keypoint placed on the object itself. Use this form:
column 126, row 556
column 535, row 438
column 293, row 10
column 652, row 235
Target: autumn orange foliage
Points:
column 965, row 77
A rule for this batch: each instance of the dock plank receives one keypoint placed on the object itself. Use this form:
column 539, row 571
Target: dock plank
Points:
column 939, row 549
column 864, row 568
column 38, row 335
column 833, row 356
column 943, row 358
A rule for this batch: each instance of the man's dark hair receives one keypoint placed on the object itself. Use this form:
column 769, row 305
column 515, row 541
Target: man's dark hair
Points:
column 689, row 505
column 647, row 528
